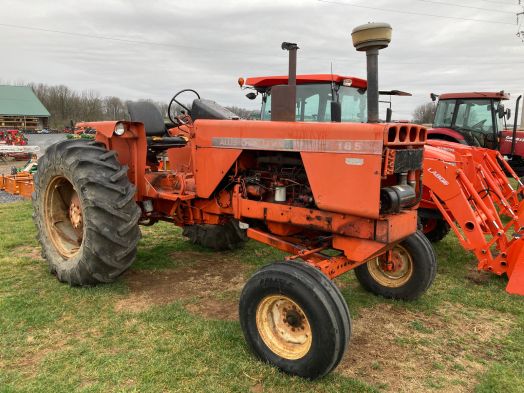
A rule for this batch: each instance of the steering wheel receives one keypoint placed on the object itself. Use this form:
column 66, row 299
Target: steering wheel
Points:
column 175, row 119
column 479, row 125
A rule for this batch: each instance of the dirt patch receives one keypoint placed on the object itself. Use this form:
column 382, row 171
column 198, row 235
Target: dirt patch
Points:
column 215, row 309
column 205, row 278
column 38, row 347
column 29, row 252
column 478, row 277
column 412, row 352
column 38, row 351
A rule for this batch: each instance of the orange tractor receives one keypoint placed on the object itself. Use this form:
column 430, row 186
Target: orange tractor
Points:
column 465, row 189
column 336, row 197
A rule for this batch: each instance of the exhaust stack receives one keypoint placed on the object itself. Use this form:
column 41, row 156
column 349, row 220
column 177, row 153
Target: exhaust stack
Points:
column 284, row 97
column 371, row 38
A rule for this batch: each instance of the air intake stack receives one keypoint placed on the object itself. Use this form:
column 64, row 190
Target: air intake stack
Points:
column 284, row 97
column 371, row 38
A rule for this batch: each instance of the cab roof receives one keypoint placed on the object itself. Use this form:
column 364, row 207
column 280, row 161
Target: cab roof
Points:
column 268, row 81
column 494, row 95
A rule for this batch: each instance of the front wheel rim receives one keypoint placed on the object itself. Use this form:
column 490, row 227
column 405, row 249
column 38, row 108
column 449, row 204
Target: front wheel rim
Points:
column 395, row 273
column 284, row 327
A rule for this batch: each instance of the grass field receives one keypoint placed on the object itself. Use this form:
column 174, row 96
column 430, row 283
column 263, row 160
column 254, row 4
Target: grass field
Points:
column 171, row 324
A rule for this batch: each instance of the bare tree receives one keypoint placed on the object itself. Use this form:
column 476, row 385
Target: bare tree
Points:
column 67, row 106
column 424, row 114
column 114, row 108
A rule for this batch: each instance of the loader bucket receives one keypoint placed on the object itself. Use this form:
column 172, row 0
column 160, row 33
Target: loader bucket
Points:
column 515, row 270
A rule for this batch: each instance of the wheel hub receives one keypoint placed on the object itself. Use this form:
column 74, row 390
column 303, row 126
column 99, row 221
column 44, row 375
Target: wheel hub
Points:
column 284, row 327
column 75, row 212
column 393, row 269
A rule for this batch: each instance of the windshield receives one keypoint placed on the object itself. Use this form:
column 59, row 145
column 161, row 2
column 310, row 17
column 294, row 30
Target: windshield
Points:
column 470, row 115
column 314, row 103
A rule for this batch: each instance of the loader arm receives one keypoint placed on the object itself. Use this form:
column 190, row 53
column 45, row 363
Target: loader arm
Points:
column 469, row 188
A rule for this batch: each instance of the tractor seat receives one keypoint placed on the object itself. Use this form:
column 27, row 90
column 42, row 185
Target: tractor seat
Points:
column 157, row 136
column 208, row 109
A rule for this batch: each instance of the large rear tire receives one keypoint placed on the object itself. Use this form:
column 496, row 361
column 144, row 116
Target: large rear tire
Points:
column 408, row 275
column 85, row 213
column 221, row 237
column 295, row 318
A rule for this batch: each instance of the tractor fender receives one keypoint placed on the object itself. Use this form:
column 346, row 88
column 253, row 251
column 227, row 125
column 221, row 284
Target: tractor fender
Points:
column 446, row 134
column 130, row 148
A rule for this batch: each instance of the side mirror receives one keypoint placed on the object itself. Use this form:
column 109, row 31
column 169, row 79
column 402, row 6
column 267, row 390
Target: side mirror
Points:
column 336, row 111
column 433, row 97
column 501, row 111
column 251, row 95
column 508, row 114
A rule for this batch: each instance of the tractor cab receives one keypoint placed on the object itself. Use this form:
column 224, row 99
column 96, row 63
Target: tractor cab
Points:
column 474, row 119
column 315, row 95
column 479, row 119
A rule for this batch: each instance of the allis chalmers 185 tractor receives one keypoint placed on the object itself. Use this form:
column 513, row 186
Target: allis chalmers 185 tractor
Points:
column 479, row 119
column 336, row 197
column 465, row 189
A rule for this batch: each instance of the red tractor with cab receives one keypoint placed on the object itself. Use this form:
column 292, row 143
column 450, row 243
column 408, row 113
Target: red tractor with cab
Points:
column 479, row 119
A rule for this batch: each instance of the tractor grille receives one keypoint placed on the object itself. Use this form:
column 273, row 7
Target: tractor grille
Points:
column 405, row 135
column 402, row 160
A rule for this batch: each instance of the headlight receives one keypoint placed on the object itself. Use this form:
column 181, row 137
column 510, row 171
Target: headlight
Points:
column 120, row 129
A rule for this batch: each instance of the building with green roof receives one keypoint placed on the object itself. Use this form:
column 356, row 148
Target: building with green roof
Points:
column 21, row 109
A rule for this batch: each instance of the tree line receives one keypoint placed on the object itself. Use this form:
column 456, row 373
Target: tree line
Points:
column 66, row 105
column 425, row 113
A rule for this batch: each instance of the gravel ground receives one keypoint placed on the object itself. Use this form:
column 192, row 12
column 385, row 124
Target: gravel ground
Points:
column 8, row 198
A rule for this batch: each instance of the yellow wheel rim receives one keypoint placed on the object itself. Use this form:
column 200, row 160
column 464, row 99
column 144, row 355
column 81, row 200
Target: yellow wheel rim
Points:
column 396, row 272
column 63, row 215
column 284, row 327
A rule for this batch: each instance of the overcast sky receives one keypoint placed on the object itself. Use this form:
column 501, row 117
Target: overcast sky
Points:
column 163, row 46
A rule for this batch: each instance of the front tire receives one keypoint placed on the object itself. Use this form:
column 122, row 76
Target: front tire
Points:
column 85, row 213
column 295, row 318
column 407, row 276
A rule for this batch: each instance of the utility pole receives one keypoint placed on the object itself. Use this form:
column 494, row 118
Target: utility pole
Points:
column 520, row 16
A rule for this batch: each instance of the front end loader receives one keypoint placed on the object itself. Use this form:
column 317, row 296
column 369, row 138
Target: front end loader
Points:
column 466, row 189
column 335, row 197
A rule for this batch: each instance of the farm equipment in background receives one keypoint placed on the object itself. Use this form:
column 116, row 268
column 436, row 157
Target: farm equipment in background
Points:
column 19, row 182
column 474, row 203
column 479, row 119
column 317, row 191
column 13, row 138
